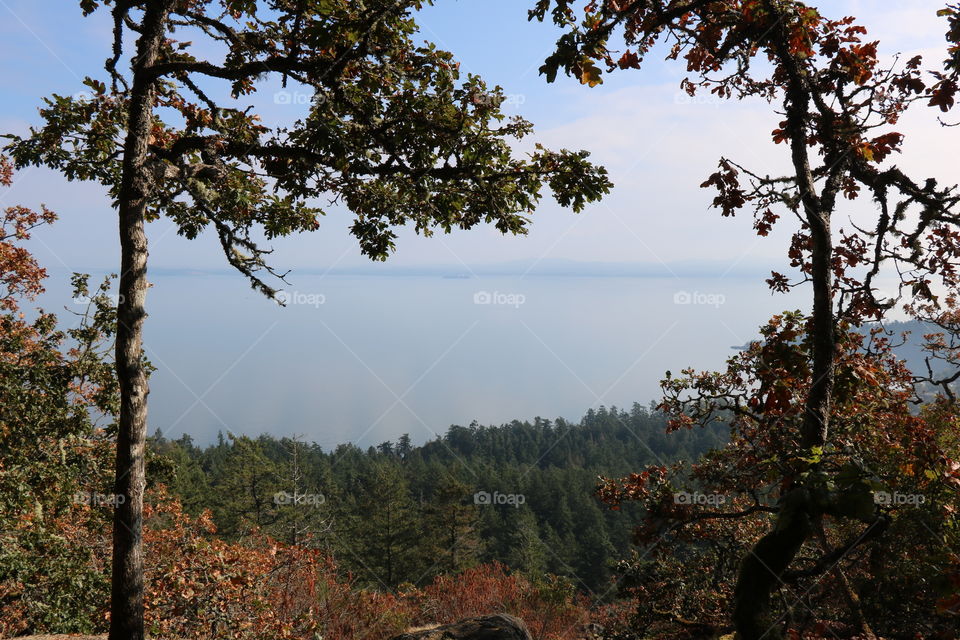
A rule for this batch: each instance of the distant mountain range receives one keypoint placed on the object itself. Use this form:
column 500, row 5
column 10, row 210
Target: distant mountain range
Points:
column 911, row 351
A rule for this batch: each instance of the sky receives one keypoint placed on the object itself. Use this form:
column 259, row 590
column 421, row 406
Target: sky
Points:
column 658, row 145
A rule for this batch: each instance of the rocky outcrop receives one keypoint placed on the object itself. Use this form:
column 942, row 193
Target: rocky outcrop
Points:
column 496, row 627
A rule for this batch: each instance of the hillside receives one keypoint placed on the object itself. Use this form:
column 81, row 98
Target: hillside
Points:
column 519, row 493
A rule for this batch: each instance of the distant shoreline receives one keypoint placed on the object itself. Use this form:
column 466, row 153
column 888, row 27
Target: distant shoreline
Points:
column 448, row 272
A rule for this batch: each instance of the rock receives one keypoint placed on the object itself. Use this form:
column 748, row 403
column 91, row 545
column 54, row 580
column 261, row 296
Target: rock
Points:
column 496, row 627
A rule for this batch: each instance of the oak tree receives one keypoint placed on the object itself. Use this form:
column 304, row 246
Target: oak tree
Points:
column 839, row 106
column 392, row 133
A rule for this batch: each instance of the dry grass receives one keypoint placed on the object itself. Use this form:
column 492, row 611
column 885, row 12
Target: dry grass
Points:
column 58, row 636
column 61, row 637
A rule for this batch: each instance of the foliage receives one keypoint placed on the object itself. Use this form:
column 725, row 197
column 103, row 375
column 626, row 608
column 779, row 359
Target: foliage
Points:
column 889, row 467
column 20, row 274
column 201, row 585
column 793, row 443
column 56, row 386
column 392, row 131
column 549, row 606
column 839, row 105
column 390, row 134
column 56, row 511
column 399, row 513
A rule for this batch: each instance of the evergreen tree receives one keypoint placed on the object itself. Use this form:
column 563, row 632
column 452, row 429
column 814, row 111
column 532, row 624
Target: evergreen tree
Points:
column 450, row 528
column 246, row 491
column 427, row 491
column 302, row 513
column 527, row 552
column 380, row 528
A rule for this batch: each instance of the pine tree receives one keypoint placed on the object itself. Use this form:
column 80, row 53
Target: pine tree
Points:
column 527, row 552
column 450, row 540
column 303, row 516
column 246, row 493
column 380, row 528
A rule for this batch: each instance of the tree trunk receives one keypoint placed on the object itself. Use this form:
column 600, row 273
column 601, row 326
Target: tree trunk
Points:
column 820, row 398
column 761, row 570
column 126, row 604
column 763, row 565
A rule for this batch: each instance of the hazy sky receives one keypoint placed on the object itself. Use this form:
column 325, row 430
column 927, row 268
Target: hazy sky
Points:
column 658, row 145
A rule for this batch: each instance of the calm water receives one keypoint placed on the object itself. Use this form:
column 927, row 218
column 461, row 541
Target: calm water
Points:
column 367, row 358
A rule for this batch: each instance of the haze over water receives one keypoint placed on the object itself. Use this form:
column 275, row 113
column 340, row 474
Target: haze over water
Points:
column 365, row 358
